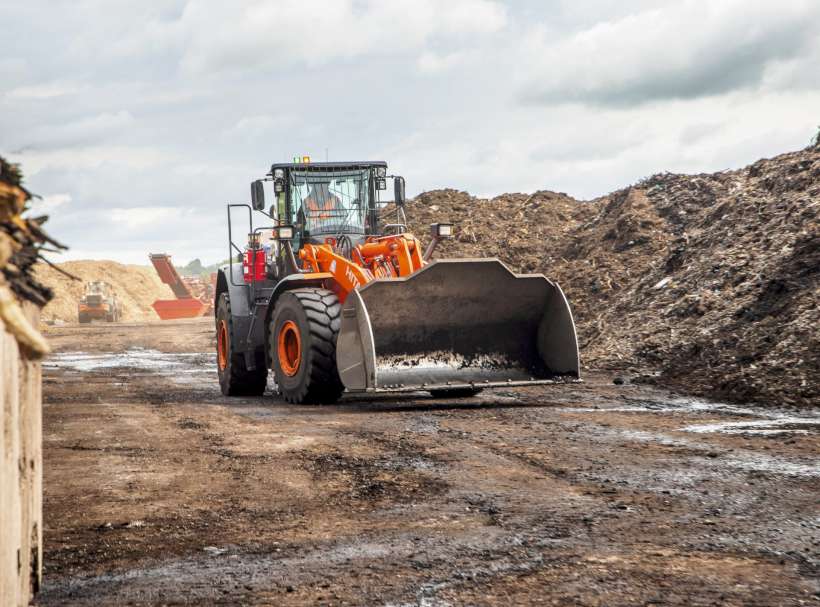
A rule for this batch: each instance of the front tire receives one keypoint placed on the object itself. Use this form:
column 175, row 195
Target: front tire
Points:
column 303, row 331
column 234, row 377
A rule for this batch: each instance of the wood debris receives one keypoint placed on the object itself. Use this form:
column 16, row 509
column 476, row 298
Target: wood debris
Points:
column 21, row 240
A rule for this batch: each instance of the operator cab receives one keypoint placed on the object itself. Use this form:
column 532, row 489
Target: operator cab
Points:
column 325, row 202
column 327, row 198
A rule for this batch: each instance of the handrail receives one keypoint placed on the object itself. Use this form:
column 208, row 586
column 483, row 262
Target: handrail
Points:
column 231, row 245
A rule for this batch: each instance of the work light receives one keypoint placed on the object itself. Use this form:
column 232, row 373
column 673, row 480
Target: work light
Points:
column 381, row 183
column 441, row 230
column 279, row 173
column 284, row 233
column 381, row 172
column 278, row 186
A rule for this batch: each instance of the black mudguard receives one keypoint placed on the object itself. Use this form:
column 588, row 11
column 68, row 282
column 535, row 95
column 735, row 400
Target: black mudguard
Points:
column 248, row 316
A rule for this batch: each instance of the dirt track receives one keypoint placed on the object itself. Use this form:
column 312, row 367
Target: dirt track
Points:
column 160, row 491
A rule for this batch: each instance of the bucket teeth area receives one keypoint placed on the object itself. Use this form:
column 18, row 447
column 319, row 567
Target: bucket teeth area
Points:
column 441, row 368
column 457, row 322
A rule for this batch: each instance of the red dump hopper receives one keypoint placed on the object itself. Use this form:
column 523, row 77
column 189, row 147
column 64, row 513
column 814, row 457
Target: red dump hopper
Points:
column 187, row 304
column 169, row 309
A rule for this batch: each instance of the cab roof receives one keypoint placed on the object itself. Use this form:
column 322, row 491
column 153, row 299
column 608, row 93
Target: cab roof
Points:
column 336, row 166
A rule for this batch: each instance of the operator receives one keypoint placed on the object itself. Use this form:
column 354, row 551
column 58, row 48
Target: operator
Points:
column 321, row 202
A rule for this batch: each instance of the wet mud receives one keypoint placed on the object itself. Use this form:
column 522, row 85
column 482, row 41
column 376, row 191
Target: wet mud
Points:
column 159, row 491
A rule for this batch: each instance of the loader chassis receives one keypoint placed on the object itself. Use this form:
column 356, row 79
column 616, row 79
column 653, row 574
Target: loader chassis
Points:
column 330, row 300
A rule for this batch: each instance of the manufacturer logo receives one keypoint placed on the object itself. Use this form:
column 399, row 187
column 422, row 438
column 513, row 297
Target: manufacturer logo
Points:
column 351, row 277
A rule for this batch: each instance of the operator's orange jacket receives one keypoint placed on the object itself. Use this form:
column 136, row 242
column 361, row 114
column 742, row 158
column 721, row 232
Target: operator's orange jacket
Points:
column 318, row 208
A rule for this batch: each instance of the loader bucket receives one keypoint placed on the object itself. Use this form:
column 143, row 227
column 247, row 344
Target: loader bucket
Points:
column 456, row 324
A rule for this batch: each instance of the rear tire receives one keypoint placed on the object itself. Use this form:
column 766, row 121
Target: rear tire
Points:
column 455, row 393
column 234, row 377
column 303, row 331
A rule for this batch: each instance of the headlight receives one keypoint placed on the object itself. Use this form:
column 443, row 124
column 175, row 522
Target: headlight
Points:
column 284, row 232
column 278, row 186
column 441, row 230
column 279, row 173
column 381, row 172
column 381, row 183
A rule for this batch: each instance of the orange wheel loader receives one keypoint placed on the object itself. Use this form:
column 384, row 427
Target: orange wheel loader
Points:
column 99, row 302
column 332, row 301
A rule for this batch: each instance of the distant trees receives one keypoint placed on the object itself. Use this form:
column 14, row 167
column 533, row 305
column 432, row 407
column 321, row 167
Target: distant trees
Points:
column 195, row 268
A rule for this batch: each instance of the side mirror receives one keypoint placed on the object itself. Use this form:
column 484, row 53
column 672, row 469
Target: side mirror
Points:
column 258, row 195
column 398, row 191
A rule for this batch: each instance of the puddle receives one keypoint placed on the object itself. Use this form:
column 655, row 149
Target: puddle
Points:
column 745, row 459
column 764, row 427
column 677, row 405
column 134, row 359
column 770, row 421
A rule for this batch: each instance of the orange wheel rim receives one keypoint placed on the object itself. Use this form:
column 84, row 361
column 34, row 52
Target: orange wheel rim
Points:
column 222, row 345
column 290, row 348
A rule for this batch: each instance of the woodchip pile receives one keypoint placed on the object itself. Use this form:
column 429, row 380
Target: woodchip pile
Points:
column 709, row 282
column 137, row 287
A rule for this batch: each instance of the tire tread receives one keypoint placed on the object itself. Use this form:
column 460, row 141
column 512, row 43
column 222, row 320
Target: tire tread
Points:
column 323, row 312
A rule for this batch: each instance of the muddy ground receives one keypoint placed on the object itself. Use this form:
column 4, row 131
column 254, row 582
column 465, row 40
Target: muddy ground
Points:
column 158, row 490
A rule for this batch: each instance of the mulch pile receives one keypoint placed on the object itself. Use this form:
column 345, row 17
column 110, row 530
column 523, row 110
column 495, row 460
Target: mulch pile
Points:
column 708, row 282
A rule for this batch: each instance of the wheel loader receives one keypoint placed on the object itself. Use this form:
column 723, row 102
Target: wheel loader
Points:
column 99, row 302
column 333, row 299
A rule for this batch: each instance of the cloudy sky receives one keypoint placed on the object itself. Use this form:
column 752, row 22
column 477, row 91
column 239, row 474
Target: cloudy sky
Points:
column 137, row 121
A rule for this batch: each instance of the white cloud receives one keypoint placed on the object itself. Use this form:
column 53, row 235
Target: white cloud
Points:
column 588, row 153
column 262, row 124
column 12, row 69
column 46, row 90
column 220, row 36
column 93, row 157
column 190, row 100
column 685, row 50
column 83, row 131
column 48, row 204
column 143, row 217
column 436, row 63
